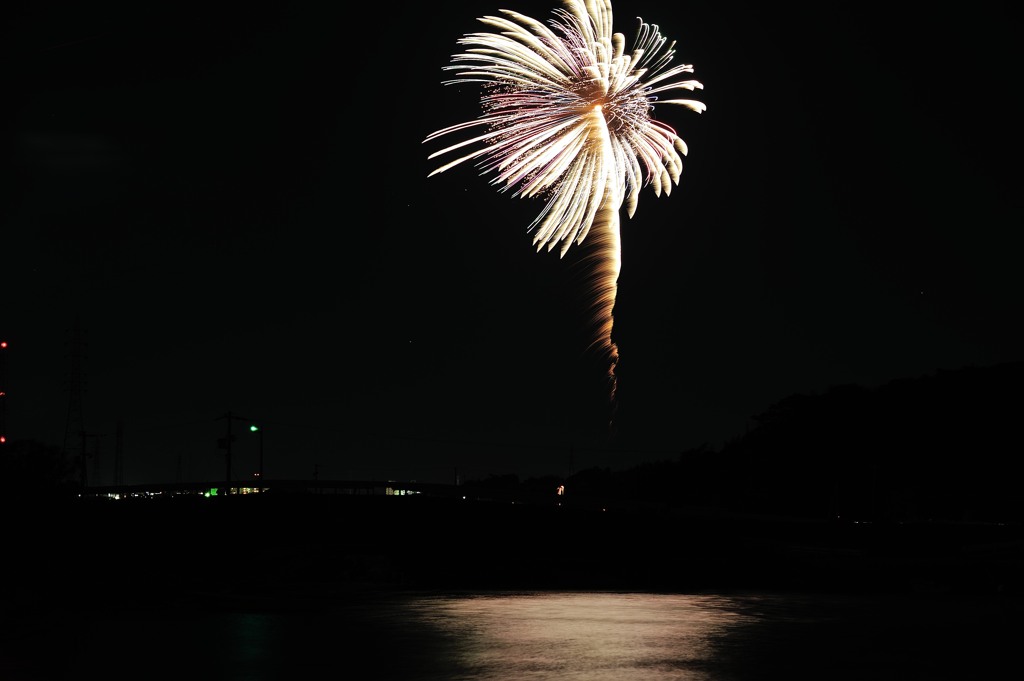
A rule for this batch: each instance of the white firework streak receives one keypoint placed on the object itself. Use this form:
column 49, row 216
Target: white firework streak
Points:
column 567, row 116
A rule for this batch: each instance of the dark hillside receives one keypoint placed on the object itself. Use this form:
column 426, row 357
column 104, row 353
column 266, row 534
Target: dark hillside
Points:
column 940, row 447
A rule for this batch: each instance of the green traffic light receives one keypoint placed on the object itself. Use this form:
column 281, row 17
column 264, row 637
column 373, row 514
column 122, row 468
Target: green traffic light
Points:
column 254, row 428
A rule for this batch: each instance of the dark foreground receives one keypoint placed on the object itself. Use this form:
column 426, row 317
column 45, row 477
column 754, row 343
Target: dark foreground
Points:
column 78, row 551
column 300, row 586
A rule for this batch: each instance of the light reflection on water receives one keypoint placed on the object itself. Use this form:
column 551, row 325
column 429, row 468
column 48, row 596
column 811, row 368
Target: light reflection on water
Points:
column 593, row 636
column 535, row 636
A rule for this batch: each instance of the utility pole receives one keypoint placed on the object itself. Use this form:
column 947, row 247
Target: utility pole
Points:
column 3, row 391
column 75, row 423
column 119, row 454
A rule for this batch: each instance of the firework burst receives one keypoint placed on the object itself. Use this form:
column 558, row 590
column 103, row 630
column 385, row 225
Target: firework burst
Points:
column 567, row 117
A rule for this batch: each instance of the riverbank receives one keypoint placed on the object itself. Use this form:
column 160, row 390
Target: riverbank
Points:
column 106, row 551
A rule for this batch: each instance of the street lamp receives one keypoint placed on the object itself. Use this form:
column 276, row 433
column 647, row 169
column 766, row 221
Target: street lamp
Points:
column 256, row 429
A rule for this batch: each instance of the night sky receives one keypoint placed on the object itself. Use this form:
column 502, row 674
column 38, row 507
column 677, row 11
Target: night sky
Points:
column 233, row 206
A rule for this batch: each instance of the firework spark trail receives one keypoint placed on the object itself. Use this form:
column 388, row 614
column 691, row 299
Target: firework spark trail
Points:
column 567, row 117
column 603, row 256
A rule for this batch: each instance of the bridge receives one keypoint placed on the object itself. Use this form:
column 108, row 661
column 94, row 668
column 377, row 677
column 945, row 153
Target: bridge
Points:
column 276, row 487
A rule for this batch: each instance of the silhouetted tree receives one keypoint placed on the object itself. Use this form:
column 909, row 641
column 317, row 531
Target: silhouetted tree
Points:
column 31, row 468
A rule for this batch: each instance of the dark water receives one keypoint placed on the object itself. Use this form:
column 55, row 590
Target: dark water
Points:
column 500, row 636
